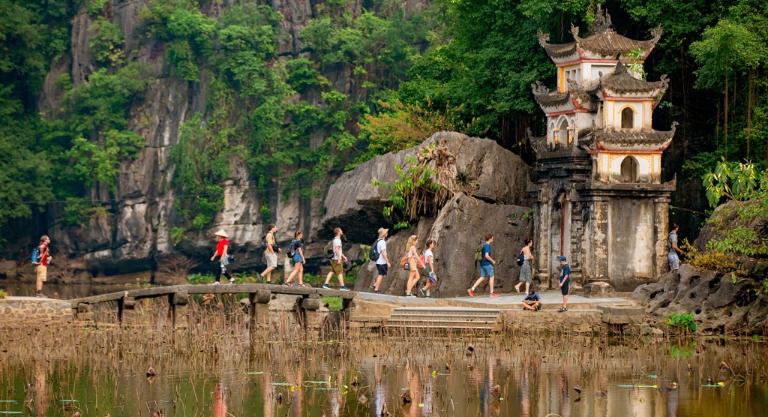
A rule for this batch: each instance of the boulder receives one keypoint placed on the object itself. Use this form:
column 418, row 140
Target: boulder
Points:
column 721, row 303
column 7, row 268
column 355, row 203
column 598, row 289
column 458, row 230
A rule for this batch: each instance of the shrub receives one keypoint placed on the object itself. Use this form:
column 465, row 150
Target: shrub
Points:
column 682, row 321
column 3, row 294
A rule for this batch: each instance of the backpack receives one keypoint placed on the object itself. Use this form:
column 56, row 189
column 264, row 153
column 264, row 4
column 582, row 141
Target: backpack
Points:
column 329, row 250
column 479, row 253
column 36, row 256
column 520, row 259
column 373, row 254
column 292, row 249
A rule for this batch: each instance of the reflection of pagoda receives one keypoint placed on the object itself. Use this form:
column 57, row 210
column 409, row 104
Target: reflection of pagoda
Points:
column 597, row 185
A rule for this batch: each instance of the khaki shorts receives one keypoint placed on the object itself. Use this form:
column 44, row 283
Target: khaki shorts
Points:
column 271, row 260
column 337, row 267
column 42, row 273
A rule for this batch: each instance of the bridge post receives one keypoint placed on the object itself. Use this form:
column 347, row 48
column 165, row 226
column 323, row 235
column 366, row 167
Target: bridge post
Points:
column 313, row 317
column 177, row 308
column 258, row 310
column 123, row 304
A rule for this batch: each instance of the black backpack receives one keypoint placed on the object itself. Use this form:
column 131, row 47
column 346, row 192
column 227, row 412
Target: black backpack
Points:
column 292, row 248
column 329, row 250
column 520, row 259
column 373, row 254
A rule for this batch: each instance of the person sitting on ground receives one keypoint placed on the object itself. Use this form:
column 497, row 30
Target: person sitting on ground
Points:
column 532, row 301
column 564, row 282
column 337, row 263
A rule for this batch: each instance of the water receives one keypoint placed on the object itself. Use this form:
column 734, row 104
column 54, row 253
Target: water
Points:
column 103, row 372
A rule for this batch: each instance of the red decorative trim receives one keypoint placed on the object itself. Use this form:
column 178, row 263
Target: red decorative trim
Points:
column 615, row 98
column 560, row 113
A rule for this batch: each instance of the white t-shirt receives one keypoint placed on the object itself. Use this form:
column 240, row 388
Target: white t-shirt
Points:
column 427, row 256
column 336, row 252
column 381, row 247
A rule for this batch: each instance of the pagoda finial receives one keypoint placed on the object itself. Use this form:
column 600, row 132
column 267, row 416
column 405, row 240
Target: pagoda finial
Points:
column 602, row 20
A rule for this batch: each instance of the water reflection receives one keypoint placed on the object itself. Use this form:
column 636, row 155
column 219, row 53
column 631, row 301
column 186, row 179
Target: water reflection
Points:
column 436, row 379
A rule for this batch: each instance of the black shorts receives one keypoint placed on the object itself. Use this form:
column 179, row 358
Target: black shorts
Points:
column 564, row 289
column 382, row 269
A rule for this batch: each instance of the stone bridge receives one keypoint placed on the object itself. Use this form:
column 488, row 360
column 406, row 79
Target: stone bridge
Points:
column 259, row 296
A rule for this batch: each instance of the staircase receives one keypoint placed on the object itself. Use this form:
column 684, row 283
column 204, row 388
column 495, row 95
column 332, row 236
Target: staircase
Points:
column 444, row 318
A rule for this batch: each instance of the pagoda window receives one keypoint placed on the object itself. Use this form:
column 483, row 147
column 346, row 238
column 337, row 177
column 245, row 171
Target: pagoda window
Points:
column 561, row 134
column 627, row 118
column 629, row 169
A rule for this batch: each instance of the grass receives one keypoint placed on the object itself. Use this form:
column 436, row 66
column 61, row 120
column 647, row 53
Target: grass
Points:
column 682, row 321
column 333, row 303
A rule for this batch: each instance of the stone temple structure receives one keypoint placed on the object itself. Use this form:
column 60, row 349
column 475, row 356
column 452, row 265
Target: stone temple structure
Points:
column 597, row 190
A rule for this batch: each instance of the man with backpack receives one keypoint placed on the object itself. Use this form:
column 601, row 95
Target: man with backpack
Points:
column 486, row 267
column 270, row 252
column 337, row 260
column 41, row 257
column 379, row 255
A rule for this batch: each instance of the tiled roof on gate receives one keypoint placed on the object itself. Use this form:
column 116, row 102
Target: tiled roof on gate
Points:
column 621, row 81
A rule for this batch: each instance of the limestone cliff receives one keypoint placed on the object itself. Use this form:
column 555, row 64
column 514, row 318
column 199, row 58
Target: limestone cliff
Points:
column 132, row 229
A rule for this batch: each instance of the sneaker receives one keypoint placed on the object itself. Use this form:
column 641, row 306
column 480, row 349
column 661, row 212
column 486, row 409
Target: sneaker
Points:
column 471, row 292
column 427, row 294
column 326, row 287
column 494, row 295
column 343, row 289
column 216, row 283
column 411, row 295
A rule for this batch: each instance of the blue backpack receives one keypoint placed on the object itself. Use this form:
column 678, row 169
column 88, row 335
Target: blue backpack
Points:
column 35, row 256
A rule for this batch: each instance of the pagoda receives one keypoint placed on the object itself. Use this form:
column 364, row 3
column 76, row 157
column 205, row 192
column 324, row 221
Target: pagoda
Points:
column 597, row 185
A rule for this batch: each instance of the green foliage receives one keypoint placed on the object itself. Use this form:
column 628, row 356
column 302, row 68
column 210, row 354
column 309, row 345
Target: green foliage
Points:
column 740, row 240
column 96, row 7
column 178, row 234
column 3, row 294
column 186, row 31
column 399, row 126
column 727, row 47
column 201, row 158
column 735, row 181
column 684, row 322
column 107, row 43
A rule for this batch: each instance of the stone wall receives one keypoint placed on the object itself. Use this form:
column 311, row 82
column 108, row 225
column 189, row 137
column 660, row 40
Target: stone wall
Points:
column 27, row 311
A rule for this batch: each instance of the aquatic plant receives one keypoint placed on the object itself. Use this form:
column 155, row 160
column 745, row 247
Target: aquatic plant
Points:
column 682, row 321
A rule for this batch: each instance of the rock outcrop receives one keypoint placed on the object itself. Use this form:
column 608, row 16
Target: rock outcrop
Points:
column 721, row 303
column 355, row 203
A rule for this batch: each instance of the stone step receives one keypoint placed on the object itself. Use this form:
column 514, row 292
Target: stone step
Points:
column 429, row 315
column 447, row 311
column 430, row 319
column 438, row 325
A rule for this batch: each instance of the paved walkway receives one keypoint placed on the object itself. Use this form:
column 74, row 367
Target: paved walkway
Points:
column 503, row 301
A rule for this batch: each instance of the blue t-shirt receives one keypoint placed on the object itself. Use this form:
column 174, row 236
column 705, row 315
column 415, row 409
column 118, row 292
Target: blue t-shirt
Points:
column 566, row 272
column 533, row 297
column 485, row 251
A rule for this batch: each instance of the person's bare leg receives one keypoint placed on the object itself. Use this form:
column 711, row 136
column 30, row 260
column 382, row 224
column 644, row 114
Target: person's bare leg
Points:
column 478, row 282
column 292, row 275
column 527, row 287
column 565, row 301
column 301, row 274
column 490, row 284
column 341, row 279
column 377, row 283
column 328, row 278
